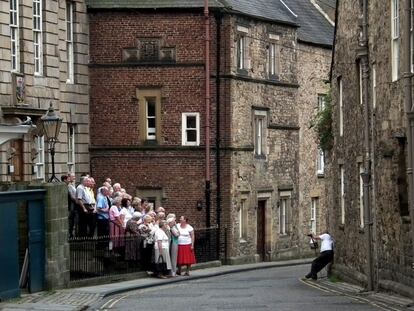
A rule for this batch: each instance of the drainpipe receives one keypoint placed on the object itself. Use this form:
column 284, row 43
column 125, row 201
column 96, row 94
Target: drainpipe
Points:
column 409, row 113
column 218, row 161
column 366, row 175
column 207, row 113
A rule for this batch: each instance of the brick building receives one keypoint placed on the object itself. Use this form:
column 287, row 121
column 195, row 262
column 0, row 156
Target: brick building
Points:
column 43, row 61
column 370, row 218
column 148, row 113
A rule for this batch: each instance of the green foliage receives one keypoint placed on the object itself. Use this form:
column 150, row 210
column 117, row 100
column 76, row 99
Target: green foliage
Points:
column 322, row 123
column 334, row 279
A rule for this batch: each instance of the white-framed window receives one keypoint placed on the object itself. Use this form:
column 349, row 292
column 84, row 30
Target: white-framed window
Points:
column 313, row 213
column 284, row 206
column 341, row 108
column 360, row 83
column 260, row 125
column 69, row 42
column 412, row 37
column 320, row 162
column 342, row 193
column 190, row 130
column 14, row 35
column 39, row 165
column 71, row 148
column 273, row 55
column 395, row 37
column 37, row 37
column 151, row 118
column 374, row 86
column 243, row 212
column 361, row 196
column 242, row 51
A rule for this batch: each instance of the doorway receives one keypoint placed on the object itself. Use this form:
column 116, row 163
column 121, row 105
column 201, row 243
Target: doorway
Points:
column 261, row 229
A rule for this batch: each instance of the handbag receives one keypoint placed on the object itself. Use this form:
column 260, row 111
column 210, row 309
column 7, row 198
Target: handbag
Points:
column 160, row 266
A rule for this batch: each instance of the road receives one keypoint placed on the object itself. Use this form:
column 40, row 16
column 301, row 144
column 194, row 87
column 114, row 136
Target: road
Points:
column 278, row 289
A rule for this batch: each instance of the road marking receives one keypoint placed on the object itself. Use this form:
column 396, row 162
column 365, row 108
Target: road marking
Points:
column 379, row 305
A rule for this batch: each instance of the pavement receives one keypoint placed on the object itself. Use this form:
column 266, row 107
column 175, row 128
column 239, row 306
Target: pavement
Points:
column 85, row 298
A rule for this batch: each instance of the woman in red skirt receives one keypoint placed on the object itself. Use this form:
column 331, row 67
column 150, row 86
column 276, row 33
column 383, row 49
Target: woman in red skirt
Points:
column 185, row 246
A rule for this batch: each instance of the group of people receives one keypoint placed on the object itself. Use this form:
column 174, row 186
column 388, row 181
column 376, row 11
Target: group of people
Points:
column 133, row 228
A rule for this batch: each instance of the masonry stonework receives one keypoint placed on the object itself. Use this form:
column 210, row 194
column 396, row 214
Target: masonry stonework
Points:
column 391, row 242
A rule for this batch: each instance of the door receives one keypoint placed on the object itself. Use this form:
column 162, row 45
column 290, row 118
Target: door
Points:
column 36, row 245
column 17, row 160
column 261, row 229
column 9, row 253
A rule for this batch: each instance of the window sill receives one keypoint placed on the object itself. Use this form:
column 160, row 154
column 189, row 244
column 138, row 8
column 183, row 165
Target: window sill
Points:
column 320, row 175
column 242, row 241
column 273, row 77
column 260, row 157
column 243, row 72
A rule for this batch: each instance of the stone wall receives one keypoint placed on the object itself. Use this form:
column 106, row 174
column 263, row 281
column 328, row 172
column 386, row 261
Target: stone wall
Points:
column 70, row 99
column 391, row 243
column 314, row 67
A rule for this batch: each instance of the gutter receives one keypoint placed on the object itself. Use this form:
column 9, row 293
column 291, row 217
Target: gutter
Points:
column 207, row 114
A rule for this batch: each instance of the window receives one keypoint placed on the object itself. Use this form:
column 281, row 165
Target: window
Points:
column 190, row 129
column 284, row 207
column 243, row 219
column 374, row 86
column 150, row 104
column 360, row 83
column 342, row 198
column 273, row 56
column 412, row 38
column 71, row 148
column 320, row 162
column 243, row 61
column 37, row 37
column 150, row 115
column 14, row 35
column 313, row 213
column 69, row 42
column 260, row 132
column 341, row 108
column 39, row 166
column 395, row 34
column 361, row 196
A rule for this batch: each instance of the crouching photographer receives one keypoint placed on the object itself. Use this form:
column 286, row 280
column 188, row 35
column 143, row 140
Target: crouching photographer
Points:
column 326, row 254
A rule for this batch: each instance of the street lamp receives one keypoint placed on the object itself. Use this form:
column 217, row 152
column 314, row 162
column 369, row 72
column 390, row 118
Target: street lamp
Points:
column 51, row 124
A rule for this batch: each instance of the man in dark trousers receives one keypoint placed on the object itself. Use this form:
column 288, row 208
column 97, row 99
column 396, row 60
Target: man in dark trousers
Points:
column 326, row 255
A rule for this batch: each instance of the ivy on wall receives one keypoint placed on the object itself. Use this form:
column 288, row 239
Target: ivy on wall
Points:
column 322, row 124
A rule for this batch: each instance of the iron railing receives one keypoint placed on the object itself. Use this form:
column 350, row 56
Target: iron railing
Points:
column 104, row 256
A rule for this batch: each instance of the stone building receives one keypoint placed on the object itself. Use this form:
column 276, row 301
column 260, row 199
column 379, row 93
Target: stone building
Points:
column 369, row 211
column 148, row 91
column 43, row 62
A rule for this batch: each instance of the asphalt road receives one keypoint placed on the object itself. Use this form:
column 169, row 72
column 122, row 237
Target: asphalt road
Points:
column 267, row 289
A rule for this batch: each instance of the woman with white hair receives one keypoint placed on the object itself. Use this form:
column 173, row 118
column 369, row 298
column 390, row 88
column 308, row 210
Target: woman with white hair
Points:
column 146, row 231
column 133, row 238
column 162, row 248
column 171, row 220
column 116, row 229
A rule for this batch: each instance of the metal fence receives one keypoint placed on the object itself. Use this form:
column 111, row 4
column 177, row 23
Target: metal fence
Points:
column 102, row 256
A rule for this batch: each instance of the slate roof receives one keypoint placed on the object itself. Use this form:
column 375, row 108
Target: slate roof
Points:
column 313, row 26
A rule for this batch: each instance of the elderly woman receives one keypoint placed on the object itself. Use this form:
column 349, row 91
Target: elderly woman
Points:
column 126, row 210
column 133, row 238
column 146, row 231
column 174, row 233
column 116, row 229
column 162, row 247
column 186, row 240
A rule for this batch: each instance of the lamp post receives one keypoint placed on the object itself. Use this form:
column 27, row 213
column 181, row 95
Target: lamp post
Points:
column 51, row 124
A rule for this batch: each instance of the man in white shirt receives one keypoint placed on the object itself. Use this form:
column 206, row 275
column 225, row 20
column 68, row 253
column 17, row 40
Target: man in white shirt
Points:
column 325, row 257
